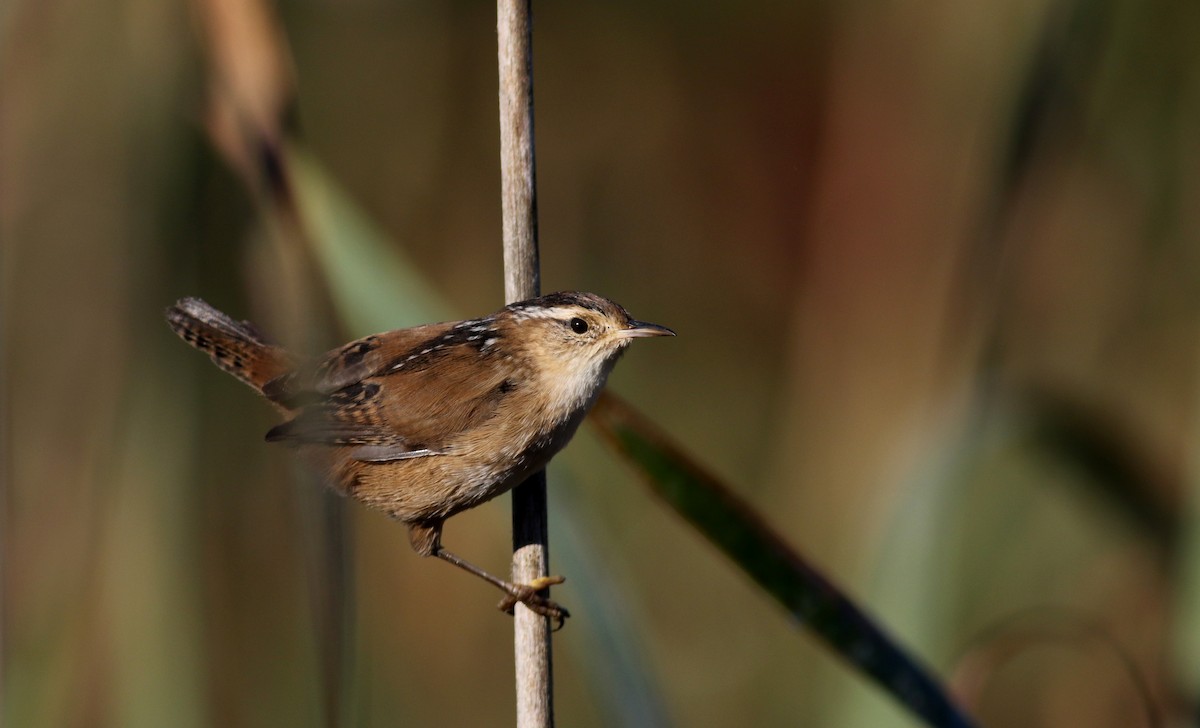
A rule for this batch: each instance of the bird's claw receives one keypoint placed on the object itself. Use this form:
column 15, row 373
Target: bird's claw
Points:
column 527, row 594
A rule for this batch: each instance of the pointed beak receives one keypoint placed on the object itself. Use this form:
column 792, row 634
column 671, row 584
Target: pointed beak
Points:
column 640, row 329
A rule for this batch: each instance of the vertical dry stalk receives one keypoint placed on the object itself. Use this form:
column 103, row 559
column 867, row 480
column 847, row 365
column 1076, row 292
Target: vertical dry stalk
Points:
column 535, row 705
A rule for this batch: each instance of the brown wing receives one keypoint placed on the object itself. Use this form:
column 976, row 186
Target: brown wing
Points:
column 349, row 364
column 447, row 395
column 413, row 404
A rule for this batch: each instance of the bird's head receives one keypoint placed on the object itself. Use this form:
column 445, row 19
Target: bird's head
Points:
column 574, row 338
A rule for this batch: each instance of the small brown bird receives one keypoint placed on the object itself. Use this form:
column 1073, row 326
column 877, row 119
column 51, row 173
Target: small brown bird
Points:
column 423, row 423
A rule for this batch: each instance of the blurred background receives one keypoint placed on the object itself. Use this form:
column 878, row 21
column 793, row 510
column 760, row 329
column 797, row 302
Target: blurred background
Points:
column 934, row 270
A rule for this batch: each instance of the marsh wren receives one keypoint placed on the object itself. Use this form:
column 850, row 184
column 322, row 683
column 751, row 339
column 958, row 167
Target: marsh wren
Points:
column 425, row 422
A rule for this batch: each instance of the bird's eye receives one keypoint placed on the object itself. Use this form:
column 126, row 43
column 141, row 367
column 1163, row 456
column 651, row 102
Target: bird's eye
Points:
column 579, row 326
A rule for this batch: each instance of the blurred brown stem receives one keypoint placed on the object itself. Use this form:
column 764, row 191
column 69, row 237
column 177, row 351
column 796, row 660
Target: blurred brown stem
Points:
column 251, row 90
column 535, row 700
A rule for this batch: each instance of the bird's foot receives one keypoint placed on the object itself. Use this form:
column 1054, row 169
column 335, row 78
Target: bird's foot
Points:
column 527, row 594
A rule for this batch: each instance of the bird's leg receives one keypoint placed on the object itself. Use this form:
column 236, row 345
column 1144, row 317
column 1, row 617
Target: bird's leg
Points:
column 426, row 539
column 526, row 594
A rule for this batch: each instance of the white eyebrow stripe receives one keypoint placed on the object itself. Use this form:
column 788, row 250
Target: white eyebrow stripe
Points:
column 542, row 313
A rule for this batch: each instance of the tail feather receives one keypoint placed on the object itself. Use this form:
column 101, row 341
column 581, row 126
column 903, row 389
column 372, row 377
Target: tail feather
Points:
column 235, row 346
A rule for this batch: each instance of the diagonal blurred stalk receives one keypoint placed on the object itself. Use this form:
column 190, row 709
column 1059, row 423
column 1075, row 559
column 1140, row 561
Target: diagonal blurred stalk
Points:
column 535, row 703
column 725, row 520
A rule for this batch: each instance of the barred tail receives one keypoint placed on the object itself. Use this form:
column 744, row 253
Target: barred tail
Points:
column 235, row 346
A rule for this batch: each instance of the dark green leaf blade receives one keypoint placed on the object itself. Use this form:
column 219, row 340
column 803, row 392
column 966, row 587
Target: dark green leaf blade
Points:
column 743, row 536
